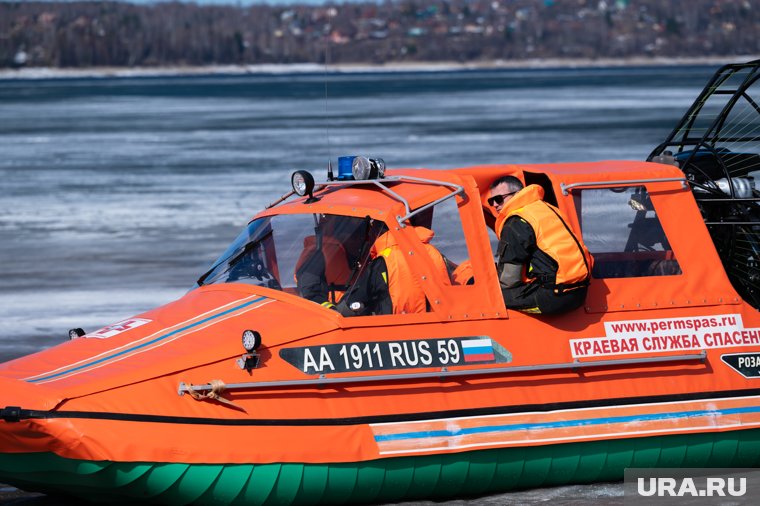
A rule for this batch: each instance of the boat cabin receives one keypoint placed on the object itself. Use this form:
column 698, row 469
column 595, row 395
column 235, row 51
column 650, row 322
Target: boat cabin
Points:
column 639, row 220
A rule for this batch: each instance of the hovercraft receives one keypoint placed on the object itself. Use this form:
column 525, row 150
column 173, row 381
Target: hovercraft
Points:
column 245, row 391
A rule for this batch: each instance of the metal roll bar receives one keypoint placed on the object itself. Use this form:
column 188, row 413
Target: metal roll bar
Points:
column 381, row 183
column 567, row 188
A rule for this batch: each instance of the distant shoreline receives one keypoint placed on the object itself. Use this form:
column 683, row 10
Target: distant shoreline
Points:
column 310, row 68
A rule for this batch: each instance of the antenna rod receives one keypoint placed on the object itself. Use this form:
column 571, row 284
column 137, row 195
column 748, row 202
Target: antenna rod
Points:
column 327, row 118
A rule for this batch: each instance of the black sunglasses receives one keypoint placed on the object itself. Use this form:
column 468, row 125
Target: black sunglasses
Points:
column 498, row 199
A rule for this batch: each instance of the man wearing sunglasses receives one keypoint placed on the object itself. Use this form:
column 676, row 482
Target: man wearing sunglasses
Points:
column 543, row 266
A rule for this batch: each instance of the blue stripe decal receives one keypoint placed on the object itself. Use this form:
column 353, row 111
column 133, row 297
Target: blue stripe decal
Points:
column 477, row 350
column 556, row 425
column 147, row 343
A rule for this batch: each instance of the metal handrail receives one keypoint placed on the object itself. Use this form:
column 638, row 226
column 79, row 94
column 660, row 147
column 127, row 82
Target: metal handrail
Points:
column 566, row 188
column 707, row 199
column 456, row 190
column 444, row 373
column 743, row 223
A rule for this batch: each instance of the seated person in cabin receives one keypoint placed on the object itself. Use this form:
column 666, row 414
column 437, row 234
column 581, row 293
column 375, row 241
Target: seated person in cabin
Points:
column 388, row 286
column 324, row 269
column 543, row 267
column 463, row 274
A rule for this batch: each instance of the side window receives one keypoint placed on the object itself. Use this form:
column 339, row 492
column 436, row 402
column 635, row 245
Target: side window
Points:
column 623, row 233
column 449, row 240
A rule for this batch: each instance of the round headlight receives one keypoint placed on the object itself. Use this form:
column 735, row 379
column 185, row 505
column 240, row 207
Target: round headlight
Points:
column 380, row 165
column 361, row 168
column 251, row 340
column 302, row 182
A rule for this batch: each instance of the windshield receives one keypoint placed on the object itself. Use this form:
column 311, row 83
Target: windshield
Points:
column 314, row 256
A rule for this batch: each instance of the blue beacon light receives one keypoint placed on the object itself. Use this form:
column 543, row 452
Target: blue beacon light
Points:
column 344, row 168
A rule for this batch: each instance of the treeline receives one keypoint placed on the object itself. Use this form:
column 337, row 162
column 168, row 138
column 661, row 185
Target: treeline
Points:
column 86, row 34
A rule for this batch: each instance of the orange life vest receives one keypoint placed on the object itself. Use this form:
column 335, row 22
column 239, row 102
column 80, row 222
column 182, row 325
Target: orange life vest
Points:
column 337, row 270
column 405, row 290
column 463, row 273
column 553, row 235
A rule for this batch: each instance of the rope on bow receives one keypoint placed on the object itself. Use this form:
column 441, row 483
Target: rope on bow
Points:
column 215, row 394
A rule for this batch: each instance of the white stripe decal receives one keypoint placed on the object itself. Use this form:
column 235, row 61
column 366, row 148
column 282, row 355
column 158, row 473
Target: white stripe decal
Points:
column 150, row 342
column 209, row 324
column 710, row 428
column 476, row 343
column 571, row 410
column 133, row 343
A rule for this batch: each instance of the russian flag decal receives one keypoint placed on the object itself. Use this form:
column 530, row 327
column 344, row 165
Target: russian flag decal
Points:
column 478, row 350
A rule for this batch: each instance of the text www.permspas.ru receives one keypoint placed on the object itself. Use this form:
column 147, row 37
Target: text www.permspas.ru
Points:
column 654, row 326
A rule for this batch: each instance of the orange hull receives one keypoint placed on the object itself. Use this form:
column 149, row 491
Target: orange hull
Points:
column 646, row 357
